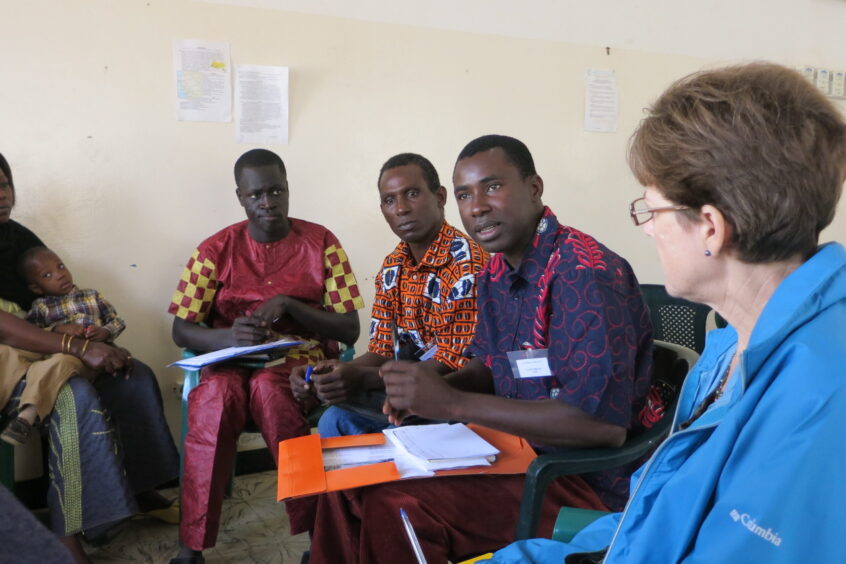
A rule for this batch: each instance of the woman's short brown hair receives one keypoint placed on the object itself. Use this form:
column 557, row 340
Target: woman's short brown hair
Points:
column 757, row 141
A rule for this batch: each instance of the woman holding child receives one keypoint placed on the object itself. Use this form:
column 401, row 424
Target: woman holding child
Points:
column 109, row 443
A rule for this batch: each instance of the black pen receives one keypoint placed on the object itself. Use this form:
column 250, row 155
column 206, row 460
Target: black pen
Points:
column 395, row 340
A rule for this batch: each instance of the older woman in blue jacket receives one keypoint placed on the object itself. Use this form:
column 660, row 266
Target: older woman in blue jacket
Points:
column 742, row 169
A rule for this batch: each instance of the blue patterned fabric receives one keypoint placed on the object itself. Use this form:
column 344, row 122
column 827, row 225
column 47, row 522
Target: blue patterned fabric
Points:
column 107, row 442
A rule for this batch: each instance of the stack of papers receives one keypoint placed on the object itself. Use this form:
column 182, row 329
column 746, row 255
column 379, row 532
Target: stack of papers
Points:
column 443, row 446
column 199, row 361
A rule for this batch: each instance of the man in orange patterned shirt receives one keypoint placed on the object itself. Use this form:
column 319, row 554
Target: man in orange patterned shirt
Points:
column 426, row 286
column 268, row 275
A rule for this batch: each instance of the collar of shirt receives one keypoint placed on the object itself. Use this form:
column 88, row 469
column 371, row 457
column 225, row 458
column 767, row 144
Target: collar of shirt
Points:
column 436, row 255
column 541, row 247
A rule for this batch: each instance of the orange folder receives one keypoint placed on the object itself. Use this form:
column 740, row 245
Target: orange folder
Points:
column 301, row 470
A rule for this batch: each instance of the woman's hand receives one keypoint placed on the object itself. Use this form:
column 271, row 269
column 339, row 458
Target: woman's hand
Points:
column 106, row 358
column 74, row 329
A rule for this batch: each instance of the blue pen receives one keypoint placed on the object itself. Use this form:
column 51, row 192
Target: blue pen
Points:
column 412, row 537
column 309, row 368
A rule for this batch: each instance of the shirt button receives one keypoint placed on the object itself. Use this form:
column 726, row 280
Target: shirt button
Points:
column 269, row 282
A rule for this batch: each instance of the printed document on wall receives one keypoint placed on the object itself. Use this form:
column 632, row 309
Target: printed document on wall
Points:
column 601, row 101
column 203, row 80
column 261, row 104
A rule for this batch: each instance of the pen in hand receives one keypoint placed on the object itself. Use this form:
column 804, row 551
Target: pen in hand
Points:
column 308, row 371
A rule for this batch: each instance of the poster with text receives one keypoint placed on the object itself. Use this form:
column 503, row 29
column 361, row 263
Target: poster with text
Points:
column 261, row 104
column 203, row 80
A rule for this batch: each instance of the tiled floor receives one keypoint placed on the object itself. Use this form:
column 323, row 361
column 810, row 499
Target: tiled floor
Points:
column 254, row 530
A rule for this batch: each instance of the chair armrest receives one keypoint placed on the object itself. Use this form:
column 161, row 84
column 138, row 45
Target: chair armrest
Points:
column 547, row 467
column 571, row 520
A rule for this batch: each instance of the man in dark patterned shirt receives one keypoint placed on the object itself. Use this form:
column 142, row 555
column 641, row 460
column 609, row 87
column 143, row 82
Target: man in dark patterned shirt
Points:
column 561, row 357
column 426, row 287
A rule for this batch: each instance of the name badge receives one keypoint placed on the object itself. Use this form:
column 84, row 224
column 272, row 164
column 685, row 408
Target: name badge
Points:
column 429, row 354
column 532, row 363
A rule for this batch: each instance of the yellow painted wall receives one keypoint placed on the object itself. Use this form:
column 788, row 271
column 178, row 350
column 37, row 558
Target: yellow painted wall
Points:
column 107, row 176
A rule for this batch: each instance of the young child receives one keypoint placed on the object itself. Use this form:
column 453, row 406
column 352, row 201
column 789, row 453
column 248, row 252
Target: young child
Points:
column 62, row 308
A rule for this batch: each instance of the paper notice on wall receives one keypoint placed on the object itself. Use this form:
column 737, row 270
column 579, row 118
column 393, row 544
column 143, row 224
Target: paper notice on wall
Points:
column 601, row 101
column 261, row 104
column 203, row 80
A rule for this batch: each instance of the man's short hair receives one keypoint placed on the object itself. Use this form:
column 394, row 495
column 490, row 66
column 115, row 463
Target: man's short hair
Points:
column 256, row 158
column 760, row 143
column 514, row 149
column 4, row 166
column 430, row 175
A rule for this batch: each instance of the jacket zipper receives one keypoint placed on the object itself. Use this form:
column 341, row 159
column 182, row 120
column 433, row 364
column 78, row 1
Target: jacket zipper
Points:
column 654, row 456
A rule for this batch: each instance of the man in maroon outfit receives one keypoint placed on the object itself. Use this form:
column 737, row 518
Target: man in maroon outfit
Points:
column 267, row 276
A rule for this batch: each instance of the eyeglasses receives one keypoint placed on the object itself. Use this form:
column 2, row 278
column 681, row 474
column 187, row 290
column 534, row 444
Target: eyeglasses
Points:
column 641, row 213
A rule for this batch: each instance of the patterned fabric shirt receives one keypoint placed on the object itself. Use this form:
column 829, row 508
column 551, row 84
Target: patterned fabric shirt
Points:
column 581, row 302
column 83, row 307
column 433, row 301
column 231, row 274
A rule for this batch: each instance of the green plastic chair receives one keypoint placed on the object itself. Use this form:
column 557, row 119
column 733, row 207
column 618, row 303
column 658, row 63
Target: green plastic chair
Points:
column 672, row 362
column 675, row 320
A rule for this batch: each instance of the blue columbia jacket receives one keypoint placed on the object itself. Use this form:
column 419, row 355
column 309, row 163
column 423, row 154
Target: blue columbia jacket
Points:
column 761, row 476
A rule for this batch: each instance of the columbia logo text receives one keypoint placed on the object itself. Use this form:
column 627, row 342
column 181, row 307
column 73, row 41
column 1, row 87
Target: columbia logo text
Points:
column 749, row 522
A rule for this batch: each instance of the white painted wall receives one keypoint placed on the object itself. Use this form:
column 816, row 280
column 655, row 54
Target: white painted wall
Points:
column 108, row 177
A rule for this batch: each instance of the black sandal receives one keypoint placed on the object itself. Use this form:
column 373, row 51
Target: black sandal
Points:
column 16, row 432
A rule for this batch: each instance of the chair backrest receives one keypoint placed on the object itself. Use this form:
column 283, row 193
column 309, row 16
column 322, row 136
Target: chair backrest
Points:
column 672, row 363
column 676, row 320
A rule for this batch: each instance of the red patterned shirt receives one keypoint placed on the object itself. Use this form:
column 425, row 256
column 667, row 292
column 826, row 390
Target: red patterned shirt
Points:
column 433, row 301
column 230, row 275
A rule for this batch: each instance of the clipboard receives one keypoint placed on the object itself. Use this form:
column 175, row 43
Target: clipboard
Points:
column 301, row 470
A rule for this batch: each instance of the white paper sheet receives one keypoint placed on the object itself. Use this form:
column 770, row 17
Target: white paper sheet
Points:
column 231, row 352
column 203, row 80
column 261, row 104
column 441, row 441
column 601, row 101
column 347, row 457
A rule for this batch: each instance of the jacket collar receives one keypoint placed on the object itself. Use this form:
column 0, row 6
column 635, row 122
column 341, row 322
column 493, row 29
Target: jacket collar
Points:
column 816, row 285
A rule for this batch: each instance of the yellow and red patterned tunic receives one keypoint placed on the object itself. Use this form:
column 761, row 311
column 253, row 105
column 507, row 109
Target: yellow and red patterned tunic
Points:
column 230, row 275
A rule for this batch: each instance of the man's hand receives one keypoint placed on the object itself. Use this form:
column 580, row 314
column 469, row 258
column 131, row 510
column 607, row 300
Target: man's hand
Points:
column 302, row 390
column 271, row 310
column 249, row 331
column 74, row 329
column 415, row 388
column 97, row 334
column 336, row 382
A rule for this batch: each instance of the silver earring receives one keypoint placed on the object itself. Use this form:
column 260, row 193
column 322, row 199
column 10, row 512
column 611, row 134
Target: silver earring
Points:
column 707, row 253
